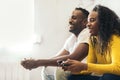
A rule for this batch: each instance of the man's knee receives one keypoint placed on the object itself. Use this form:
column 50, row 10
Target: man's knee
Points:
column 45, row 75
column 61, row 75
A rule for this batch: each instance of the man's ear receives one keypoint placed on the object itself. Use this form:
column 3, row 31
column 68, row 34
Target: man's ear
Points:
column 84, row 22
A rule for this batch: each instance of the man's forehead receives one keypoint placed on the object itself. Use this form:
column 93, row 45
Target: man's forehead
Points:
column 77, row 12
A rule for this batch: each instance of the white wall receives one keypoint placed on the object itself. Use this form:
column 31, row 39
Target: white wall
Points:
column 17, row 18
column 16, row 32
column 51, row 23
column 16, row 26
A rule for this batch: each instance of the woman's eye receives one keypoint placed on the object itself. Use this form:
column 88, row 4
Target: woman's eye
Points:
column 92, row 19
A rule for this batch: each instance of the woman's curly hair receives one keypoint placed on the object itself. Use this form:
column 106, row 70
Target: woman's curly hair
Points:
column 109, row 24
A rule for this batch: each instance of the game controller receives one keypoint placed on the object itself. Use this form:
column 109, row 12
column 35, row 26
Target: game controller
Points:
column 61, row 63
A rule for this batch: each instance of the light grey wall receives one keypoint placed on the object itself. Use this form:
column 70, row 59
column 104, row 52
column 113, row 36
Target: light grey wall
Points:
column 16, row 26
column 51, row 24
column 48, row 19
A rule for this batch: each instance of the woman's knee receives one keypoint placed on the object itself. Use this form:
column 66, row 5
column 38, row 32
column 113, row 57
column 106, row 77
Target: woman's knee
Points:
column 71, row 77
column 110, row 77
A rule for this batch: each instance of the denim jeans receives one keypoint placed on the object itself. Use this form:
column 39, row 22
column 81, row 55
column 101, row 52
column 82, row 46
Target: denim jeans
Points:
column 89, row 77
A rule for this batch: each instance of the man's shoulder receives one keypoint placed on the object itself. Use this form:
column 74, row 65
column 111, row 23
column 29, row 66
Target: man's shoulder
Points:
column 72, row 37
column 84, row 36
column 84, row 33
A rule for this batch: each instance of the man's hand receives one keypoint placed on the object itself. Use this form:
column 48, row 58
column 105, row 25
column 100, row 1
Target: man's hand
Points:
column 29, row 63
column 61, row 63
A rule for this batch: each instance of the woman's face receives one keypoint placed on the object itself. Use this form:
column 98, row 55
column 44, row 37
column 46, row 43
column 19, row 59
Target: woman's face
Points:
column 93, row 23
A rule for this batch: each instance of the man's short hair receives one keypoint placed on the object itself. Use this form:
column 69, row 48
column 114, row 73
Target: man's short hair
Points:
column 84, row 11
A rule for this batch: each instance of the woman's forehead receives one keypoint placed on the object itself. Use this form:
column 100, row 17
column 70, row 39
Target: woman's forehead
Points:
column 93, row 14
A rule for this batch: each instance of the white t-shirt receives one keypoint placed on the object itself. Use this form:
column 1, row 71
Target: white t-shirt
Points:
column 69, row 45
column 72, row 41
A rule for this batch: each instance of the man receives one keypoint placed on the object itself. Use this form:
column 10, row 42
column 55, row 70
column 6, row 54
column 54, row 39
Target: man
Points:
column 75, row 47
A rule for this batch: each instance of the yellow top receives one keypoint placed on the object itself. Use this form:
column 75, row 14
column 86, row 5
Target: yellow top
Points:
column 108, row 62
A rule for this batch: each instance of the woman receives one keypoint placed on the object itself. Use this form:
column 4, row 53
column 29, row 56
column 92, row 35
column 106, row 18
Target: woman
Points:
column 104, row 54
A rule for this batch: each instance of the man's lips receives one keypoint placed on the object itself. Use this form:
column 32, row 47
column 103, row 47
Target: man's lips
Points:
column 71, row 26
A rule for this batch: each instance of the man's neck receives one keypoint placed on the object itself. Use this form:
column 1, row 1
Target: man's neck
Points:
column 76, row 34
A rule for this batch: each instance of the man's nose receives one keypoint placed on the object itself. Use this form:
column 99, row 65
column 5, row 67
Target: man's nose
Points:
column 70, row 21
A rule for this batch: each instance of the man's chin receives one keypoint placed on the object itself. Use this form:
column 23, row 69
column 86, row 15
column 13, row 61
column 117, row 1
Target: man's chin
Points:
column 76, row 32
column 71, row 31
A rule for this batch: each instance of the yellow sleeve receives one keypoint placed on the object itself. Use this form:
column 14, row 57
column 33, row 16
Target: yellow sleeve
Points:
column 114, row 66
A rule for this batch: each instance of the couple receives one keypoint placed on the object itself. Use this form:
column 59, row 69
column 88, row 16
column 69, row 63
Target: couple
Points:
column 101, row 48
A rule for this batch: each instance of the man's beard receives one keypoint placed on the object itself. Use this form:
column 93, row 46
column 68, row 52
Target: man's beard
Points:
column 75, row 31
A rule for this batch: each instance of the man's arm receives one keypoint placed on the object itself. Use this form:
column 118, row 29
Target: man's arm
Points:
column 32, row 63
column 79, row 53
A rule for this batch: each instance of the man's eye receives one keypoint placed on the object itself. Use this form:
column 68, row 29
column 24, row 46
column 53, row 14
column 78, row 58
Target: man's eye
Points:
column 73, row 17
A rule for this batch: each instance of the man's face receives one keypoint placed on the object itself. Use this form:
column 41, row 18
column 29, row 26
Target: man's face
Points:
column 93, row 23
column 76, row 22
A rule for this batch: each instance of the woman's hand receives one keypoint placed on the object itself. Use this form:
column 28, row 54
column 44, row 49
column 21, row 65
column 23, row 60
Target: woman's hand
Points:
column 74, row 66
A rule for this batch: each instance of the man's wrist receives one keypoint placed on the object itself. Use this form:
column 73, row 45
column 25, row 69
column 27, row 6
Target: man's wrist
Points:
column 37, row 63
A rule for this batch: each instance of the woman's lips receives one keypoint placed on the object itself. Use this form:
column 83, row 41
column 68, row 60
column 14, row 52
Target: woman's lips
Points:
column 90, row 30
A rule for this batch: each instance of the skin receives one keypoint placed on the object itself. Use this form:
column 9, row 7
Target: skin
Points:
column 77, row 66
column 77, row 24
column 93, row 23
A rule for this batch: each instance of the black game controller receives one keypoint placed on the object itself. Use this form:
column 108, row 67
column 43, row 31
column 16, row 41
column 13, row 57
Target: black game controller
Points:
column 61, row 63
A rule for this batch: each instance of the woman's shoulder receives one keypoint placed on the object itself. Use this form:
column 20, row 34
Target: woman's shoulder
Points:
column 115, row 38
